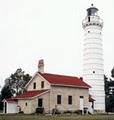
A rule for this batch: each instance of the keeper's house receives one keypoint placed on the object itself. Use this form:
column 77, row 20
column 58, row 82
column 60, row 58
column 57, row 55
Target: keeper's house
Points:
column 46, row 90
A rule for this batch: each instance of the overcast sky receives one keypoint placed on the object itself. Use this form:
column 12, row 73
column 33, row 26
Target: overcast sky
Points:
column 31, row 30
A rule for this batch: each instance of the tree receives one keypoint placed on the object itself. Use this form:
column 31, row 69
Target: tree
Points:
column 6, row 93
column 112, row 72
column 1, row 103
column 109, row 92
column 26, row 78
column 15, row 84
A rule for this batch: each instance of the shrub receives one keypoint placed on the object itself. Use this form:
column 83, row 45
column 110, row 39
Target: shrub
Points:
column 68, row 111
column 21, row 112
column 40, row 110
column 77, row 111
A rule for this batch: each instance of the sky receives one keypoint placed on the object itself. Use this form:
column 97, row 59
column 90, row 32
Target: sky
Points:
column 31, row 30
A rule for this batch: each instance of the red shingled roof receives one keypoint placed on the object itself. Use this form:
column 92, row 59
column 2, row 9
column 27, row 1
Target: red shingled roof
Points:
column 64, row 80
column 30, row 94
column 10, row 100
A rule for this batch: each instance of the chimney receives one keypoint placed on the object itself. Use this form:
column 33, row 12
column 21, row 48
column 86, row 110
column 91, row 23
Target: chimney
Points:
column 41, row 66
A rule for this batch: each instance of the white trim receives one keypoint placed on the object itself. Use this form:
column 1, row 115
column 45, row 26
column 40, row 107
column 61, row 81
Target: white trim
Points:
column 34, row 77
column 4, row 100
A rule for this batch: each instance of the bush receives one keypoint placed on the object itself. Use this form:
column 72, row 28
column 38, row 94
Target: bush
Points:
column 77, row 112
column 21, row 112
column 68, row 112
column 40, row 110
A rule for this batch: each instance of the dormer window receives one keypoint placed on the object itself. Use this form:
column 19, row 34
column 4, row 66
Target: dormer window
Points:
column 34, row 85
column 42, row 84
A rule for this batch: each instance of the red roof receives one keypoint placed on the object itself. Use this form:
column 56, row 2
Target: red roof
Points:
column 91, row 99
column 30, row 94
column 10, row 100
column 64, row 80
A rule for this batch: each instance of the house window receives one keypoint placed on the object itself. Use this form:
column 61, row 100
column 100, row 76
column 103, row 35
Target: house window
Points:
column 26, row 104
column 34, row 85
column 69, row 100
column 58, row 99
column 42, row 84
column 93, row 71
column 40, row 102
column 81, row 96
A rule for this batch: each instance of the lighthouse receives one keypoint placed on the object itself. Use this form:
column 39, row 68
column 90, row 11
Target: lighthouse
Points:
column 93, row 71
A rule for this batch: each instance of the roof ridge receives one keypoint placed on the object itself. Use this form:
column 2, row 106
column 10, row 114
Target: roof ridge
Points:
column 58, row 75
column 63, row 79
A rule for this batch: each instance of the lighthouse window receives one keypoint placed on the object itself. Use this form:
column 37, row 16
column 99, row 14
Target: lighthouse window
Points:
column 88, row 19
column 93, row 71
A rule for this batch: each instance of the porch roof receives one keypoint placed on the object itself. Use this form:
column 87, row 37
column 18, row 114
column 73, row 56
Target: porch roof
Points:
column 25, row 95
column 30, row 94
column 10, row 100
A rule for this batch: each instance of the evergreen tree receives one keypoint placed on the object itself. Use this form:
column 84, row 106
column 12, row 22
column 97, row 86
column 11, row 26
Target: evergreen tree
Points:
column 1, row 103
column 109, row 92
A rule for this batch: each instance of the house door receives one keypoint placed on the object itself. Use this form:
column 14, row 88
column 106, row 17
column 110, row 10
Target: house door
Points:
column 40, row 102
column 5, row 107
column 81, row 103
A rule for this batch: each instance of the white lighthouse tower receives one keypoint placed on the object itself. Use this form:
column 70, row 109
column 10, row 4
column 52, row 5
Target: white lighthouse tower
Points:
column 93, row 72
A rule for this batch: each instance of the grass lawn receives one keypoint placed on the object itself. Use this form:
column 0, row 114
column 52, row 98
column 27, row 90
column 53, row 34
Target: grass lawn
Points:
column 60, row 117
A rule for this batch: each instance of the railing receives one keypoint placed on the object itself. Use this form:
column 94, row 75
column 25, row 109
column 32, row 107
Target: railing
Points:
column 99, row 23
